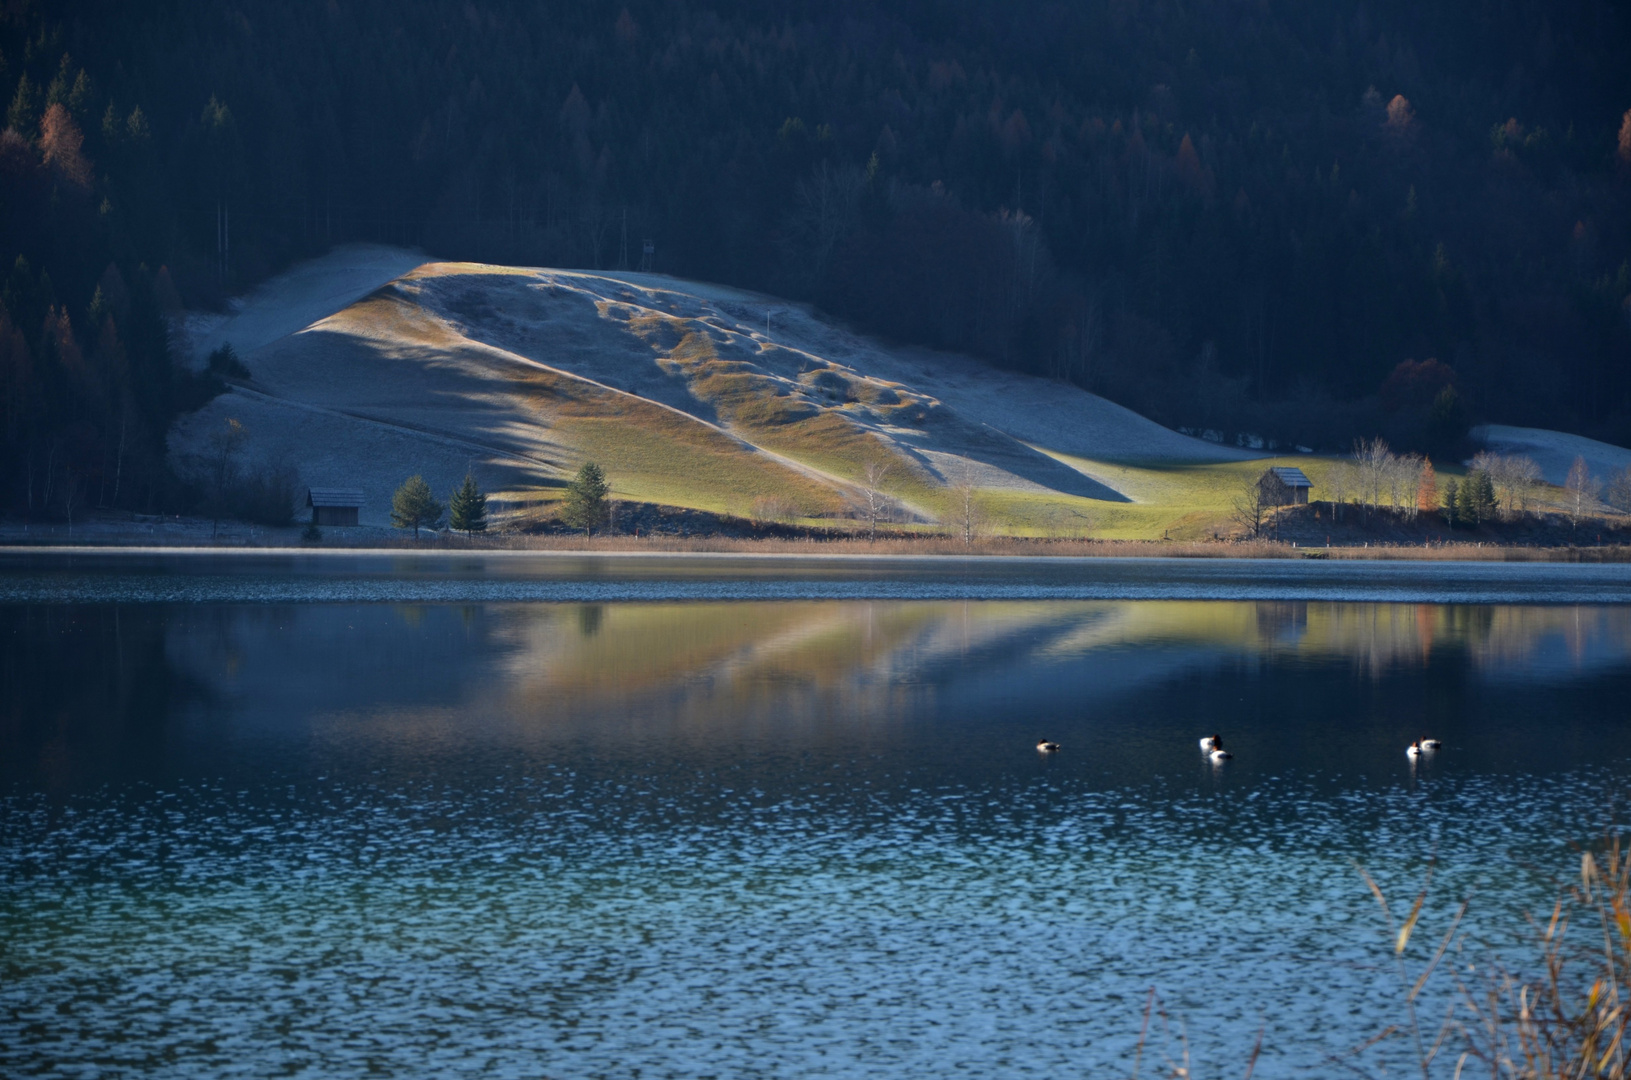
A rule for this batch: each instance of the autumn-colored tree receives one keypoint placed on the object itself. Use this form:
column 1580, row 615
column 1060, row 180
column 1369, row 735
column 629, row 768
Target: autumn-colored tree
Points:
column 61, row 145
column 1400, row 113
column 1427, row 487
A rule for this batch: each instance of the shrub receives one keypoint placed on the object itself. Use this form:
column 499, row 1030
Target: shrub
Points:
column 768, row 509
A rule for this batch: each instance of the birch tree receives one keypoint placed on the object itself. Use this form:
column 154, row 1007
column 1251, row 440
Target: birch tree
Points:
column 1582, row 488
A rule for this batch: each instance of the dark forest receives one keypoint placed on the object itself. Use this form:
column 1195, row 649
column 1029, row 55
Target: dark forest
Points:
column 1309, row 222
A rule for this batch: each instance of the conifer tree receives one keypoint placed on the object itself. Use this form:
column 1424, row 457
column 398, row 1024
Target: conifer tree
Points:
column 413, row 506
column 468, row 513
column 1484, row 495
column 1452, row 501
column 1475, row 500
column 586, row 498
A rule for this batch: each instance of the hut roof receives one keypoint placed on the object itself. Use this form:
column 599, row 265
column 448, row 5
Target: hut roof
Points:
column 1291, row 476
column 333, row 497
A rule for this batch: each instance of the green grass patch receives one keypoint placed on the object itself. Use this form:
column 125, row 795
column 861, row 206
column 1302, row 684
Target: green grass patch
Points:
column 655, row 454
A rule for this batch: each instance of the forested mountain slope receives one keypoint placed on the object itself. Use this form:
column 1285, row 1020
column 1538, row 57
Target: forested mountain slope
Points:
column 1243, row 217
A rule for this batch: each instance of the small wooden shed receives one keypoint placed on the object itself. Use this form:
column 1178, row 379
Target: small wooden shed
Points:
column 1284, row 486
column 334, row 506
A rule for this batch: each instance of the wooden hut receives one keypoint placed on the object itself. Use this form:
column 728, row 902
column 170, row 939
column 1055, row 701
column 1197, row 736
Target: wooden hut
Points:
column 1284, row 486
column 334, row 506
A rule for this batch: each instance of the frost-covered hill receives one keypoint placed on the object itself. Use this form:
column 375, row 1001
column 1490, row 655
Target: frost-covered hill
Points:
column 369, row 365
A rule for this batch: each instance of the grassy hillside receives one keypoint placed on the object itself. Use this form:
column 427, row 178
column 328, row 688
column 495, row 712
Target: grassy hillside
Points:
column 677, row 390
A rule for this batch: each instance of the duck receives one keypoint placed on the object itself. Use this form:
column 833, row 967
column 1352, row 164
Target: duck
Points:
column 1209, row 742
column 1219, row 754
column 1414, row 750
column 1430, row 744
column 1043, row 746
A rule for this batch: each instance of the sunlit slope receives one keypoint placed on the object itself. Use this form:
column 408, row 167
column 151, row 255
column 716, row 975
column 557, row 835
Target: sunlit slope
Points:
column 688, row 395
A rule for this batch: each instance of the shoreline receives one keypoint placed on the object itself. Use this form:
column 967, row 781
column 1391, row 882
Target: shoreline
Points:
column 1016, row 549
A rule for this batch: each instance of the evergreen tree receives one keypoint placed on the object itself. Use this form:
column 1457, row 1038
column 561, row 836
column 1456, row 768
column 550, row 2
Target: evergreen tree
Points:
column 1475, row 500
column 413, row 506
column 25, row 109
column 468, row 512
column 1484, row 495
column 586, row 499
column 1466, row 503
column 1452, row 501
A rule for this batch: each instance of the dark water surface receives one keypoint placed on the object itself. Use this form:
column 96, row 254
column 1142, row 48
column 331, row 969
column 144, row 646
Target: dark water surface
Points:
column 623, row 817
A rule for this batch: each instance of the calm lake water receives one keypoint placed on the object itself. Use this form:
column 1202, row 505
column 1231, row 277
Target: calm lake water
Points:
column 593, row 817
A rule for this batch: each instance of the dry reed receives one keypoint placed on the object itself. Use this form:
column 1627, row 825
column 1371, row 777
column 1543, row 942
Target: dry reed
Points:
column 929, row 544
column 1564, row 1020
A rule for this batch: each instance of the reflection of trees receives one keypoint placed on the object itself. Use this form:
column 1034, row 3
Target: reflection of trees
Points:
column 84, row 691
column 1374, row 637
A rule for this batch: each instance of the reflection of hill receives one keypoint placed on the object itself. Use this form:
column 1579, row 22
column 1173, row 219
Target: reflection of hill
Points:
column 633, row 648
column 380, row 677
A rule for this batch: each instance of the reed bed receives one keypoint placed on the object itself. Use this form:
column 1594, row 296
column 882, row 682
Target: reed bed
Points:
column 1013, row 546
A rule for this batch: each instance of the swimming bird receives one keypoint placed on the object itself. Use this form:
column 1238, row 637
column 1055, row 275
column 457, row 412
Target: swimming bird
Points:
column 1209, row 742
column 1414, row 750
column 1219, row 754
column 1043, row 746
column 1431, row 744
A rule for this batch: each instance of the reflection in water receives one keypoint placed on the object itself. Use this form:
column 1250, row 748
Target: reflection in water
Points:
column 90, row 690
column 787, row 839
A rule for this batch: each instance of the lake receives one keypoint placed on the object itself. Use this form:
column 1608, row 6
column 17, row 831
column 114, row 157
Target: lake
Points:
column 599, row 816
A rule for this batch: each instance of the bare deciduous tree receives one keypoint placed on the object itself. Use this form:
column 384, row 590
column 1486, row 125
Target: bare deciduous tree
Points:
column 1402, row 475
column 1249, row 507
column 967, row 511
column 874, row 473
column 768, row 509
column 1582, row 488
column 1525, row 478
column 1343, row 481
column 1618, row 494
column 1373, row 460
column 1514, row 478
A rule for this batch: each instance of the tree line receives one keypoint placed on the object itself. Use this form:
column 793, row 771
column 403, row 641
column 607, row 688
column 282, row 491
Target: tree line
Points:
column 1495, row 487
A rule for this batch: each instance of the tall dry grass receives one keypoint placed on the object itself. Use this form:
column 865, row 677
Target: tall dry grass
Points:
column 1569, row 1019
column 1563, row 1015
column 931, row 544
